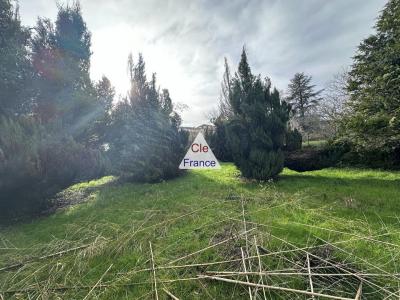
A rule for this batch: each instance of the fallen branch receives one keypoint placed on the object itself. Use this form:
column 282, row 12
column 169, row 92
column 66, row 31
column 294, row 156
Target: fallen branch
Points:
column 350, row 233
column 154, row 271
column 245, row 270
column 332, row 264
column 359, row 292
column 209, row 247
column 97, row 283
column 309, row 274
column 244, row 228
column 275, row 288
column 356, row 275
column 260, row 267
column 170, row 294
column 21, row 264
column 165, row 267
column 98, row 286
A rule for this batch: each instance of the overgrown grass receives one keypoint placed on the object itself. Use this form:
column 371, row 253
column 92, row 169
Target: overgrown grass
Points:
column 357, row 209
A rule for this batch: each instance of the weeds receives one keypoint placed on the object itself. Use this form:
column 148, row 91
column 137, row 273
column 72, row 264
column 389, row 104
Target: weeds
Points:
column 237, row 240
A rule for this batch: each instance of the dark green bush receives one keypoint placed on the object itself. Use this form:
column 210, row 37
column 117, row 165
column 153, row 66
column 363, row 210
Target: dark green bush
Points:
column 310, row 159
column 35, row 165
column 64, row 161
column 217, row 141
column 350, row 155
column 294, row 140
column 19, row 165
column 340, row 153
column 147, row 150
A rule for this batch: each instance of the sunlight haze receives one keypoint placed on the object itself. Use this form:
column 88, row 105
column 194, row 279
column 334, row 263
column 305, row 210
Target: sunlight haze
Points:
column 185, row 42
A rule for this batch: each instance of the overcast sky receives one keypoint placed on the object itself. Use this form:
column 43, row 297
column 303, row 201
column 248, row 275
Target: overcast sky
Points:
column 185, row 42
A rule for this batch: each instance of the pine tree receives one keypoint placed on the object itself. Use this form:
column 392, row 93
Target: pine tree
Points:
column 15, row 71
column 256, row 131
column 139, row 85
column 303, row 99
column 43, row 141
column 372, row 124
column 61, row 56
column 302, row 95
column 146, row 142
column 105, row 94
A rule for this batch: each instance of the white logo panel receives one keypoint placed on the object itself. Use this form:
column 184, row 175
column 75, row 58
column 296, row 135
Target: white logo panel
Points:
column 199, row 156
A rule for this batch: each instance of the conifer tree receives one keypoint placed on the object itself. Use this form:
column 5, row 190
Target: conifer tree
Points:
column 146, row 141
column 43, row 135
column 303, row 99
column 256, row 131
column 105, row 94
column 302, row 95
column 372, row 123
column 15, row 71
column 61, row 57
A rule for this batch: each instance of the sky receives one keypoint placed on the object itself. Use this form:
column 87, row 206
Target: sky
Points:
column 184, row 42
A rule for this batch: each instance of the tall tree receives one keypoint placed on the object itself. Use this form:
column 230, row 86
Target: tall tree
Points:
column 217, row 137
column 256, row 132
column 61, row 57
column 303, row 100
column 37, row 159
column 225, row 109
column 146, row 143
column 139, row 85
column 333, row 107
column 373, row 124
column 15, row 72
column 302, row 95
column 105, row 94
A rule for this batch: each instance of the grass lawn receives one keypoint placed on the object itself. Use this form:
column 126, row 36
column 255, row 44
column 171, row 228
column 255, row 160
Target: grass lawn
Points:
column 345, row 220
column 317, row 143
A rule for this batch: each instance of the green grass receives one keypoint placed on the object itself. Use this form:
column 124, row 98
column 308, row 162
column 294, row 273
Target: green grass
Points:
column 317, row 143
column 189, row 213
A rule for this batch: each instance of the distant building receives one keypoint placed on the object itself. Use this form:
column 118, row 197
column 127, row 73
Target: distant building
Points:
column 193, row 131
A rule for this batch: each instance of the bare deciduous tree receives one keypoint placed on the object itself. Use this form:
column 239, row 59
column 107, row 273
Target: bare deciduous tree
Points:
column 333, row 106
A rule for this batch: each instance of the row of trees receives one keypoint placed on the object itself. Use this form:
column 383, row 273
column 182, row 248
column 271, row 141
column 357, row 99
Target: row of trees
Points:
column 358, row 112
column 57, row 126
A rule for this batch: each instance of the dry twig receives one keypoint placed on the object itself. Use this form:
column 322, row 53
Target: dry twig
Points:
column 97, row 283
column 154, row 271
column 275, row 288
